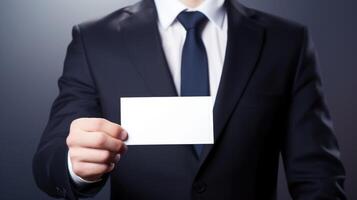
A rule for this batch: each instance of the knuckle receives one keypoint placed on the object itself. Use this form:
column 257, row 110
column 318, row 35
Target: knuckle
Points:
column 76, row 122
column 70, row 153
column 100, row 168
column 98, row 123
column 116, row 130
column 97, row 169
column 73, row 154
column 108, row 167
column 69, row 141
column 101, row 140
column 106, row 156
column 78, row 168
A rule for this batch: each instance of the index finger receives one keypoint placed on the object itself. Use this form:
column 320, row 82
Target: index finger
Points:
column 103, row 125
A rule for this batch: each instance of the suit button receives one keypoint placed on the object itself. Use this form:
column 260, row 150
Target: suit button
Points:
column 200, row 187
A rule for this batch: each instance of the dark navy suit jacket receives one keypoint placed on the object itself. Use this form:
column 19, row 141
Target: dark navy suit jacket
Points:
column 269, row 102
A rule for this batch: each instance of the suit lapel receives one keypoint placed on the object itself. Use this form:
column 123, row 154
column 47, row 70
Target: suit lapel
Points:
column 143, row 44
column 244, row 44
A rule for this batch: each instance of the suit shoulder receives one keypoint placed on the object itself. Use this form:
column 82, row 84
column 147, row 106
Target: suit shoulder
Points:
column 274, row 22
column 111, row 20
column 278, row 28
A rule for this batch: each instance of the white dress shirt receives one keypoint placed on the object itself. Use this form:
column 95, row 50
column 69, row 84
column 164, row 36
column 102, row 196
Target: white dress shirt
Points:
column 173, row 34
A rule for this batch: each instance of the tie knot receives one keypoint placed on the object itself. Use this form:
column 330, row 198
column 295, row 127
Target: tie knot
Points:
column 191, row 20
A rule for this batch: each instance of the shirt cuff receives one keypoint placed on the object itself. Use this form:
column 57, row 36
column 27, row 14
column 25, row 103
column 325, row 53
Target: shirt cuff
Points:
column 78, row 181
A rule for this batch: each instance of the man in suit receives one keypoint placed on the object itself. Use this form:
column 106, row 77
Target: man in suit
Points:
column 260, row 70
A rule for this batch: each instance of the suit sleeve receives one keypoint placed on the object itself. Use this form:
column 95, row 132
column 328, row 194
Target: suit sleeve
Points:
column 310, row 151
column 77, row 98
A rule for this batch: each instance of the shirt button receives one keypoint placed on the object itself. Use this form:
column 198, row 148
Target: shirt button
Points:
column 200, row 187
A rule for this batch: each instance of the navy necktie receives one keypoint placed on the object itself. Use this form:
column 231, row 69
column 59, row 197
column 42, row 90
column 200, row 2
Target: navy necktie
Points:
column 194, row 63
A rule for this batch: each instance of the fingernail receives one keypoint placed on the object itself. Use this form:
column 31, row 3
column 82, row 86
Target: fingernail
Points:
column 112, row 166
column 125, row 148
column 123, row 135
column 117, row 158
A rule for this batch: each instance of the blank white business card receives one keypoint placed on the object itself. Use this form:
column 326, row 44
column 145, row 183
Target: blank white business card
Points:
column 167, row 120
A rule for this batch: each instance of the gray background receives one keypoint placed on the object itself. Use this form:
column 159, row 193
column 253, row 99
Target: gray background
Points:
column 34, row 35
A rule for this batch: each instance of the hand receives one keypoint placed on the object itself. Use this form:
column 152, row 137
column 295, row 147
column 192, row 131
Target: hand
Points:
column 95, row 146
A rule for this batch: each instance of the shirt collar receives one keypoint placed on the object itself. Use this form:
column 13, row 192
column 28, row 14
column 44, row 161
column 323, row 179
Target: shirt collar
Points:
column 168, row 10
